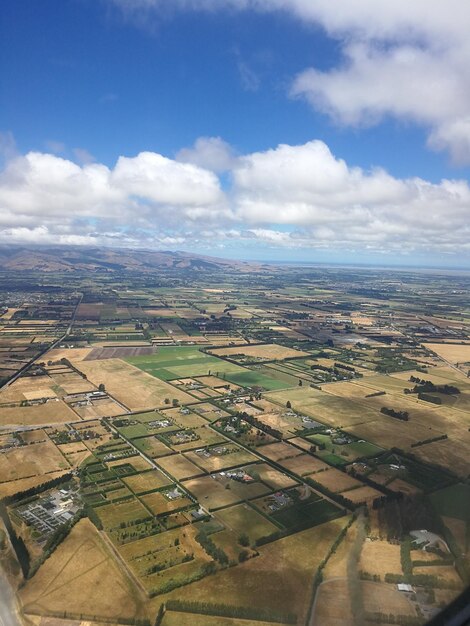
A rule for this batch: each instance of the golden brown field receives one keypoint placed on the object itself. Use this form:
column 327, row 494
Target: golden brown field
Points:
column 134, row 388
column 271, row 352
column 82, row 576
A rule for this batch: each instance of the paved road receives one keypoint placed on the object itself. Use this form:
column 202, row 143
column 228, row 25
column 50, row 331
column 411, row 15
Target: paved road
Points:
column 8, row 612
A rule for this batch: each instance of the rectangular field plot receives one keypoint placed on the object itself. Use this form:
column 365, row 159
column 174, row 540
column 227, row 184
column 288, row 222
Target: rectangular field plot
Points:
column 336, row 481
column 131, row 386
column 220, row 457
column 279, row 451
column 34, row 459
column 160, row 504
column 271, row 476
column 243, row 519
column 304, row 464
column 325, row 407
column 297, row 508
column 361, row 494
column 211, row 492
column 179, row 466
column 176, row 362
column 146, row 481
column 152, row 447
column 112, row 515
column 261, row 352
column 453, row 501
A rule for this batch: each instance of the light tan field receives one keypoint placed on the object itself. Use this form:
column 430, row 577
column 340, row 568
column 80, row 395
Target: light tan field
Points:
column 278, row 451
column 333, row 605
column 23, row 484
column 362, row 494
column 336, row 481
column 444, row 572
column 131, row 386
column 211, row 493
column 327, row 408
column 179, row 466
column 72, row 354
column 157, row 503
column 17, row 391
column 82, row 577
column 454, row 353
column 173, row 618
column 273, row 477
column 383, row 598
column 380, row 557
column 31, row 460
column 280, row 578
column 304, row 464
column 271, row 352
column 146, row 481
column 50, row 413
column 137, row 462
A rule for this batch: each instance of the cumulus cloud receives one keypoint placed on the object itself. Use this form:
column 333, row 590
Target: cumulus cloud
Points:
column 306, row 187
column 403, row 59
column 287, row 197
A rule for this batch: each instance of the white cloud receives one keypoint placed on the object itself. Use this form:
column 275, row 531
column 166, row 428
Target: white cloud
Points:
column 286, row 197
column 328, row 202
column 212, row 153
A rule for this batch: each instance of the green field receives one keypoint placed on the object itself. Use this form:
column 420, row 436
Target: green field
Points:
column 453, row 501
column 170, row 362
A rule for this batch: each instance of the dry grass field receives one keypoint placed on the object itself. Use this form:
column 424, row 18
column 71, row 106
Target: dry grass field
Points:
column 216, row 463
column 157, row 503
column 33, row 460
column 211, row 493
column 82, row 577
column 179, row 466
column 271, row 352
column 72, row 354
column 327, row 408
column 336, row 481
column 361, row 494
column 146, row 481
column 173, row 618
column 279, row 579
column 53, row 412
column 333, row 604
column 304, row 464
column 454, row 353
column 380, row 557
column 22, row 484
column 273, row 477
column 243, row 519
column 136, row 389
column 383, row 598
column 112, row 515
column 279, row 451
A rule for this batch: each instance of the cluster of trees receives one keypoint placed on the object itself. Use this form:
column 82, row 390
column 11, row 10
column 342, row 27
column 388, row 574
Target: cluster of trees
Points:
column 376, row 393
column 427, row 386
column 399, row 415
column 393, row 618
column 210, row 547
column 225, row 610
column 416, row 444
column 251, row 419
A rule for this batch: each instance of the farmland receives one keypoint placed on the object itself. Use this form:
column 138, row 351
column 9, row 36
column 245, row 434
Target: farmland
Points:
column 228, row 460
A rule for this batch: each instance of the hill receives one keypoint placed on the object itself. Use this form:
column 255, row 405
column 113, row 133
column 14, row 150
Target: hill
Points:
column 79, row 258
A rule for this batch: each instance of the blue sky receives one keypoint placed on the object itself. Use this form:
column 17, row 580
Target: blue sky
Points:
column 109, row 97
